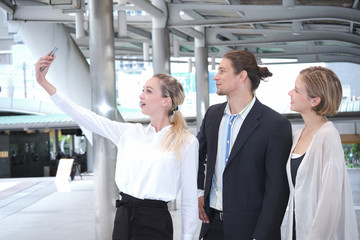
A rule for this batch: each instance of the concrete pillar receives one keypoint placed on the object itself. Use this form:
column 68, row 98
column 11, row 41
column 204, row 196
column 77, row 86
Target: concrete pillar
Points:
column 55, row 149
column 161, row 50
column 122, row 24
column 160, row 40
column 79, row 24
column 102, row 72
column 72, row 145
column 146, row 51
column 202, row 78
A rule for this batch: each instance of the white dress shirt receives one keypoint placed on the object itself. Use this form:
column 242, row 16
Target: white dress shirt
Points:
column 143, row 170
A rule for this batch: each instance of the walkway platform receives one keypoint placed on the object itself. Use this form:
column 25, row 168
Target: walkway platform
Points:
column 33, row 209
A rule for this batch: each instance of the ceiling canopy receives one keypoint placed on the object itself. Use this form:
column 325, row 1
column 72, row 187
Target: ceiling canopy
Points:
column 304, row 30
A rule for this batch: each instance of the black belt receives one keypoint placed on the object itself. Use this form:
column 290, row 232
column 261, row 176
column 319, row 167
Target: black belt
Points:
column 216, row 214
column 127, row 200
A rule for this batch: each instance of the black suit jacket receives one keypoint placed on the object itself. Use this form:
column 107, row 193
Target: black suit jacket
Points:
column 255, row 187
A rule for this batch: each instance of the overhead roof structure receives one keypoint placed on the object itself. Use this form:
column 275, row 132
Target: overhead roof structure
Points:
column 301, row 30
column 304, row 30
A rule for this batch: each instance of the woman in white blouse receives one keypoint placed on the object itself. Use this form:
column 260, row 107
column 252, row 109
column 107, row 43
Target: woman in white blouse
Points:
column 153, row 162
column 321, row 203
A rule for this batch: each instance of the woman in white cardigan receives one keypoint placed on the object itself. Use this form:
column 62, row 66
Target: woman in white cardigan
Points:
column 321, row 203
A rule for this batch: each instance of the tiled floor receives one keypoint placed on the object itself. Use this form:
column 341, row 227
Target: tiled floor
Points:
column 33, row 209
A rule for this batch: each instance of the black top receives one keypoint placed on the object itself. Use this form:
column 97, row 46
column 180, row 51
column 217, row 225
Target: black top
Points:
column 295, row 163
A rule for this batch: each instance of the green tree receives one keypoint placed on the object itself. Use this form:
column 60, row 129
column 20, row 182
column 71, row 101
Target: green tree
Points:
column 355, row 150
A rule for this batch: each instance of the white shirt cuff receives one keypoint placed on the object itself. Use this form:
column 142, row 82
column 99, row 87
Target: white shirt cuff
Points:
column 187, row 236
column 56, row 98
column 200, row 193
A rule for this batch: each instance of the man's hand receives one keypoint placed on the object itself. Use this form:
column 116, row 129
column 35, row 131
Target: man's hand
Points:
column 202, row 215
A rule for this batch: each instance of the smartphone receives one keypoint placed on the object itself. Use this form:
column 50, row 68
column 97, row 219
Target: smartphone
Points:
column 52, row 53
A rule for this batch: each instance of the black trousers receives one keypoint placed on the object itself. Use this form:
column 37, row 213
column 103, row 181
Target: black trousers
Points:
column 138, row 219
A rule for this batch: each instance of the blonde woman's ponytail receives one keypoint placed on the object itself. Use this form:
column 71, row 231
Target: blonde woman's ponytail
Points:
column 176, row 137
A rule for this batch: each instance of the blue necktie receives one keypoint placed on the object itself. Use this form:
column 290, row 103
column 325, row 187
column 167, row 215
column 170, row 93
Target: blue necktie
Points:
column 228, row 139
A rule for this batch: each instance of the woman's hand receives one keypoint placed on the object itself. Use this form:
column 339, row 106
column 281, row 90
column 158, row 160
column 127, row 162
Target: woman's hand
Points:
column 44, row 62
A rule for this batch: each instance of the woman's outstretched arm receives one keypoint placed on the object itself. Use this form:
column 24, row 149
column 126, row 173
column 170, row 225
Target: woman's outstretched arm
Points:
column 87, row 119
column 45, row 62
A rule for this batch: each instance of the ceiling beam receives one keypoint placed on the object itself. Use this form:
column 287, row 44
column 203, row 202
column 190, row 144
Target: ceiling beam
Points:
column 42, row 14
column 139, row 31
column 7, row 5
column 269, row 13
column 276, row 36
column 181, row 35
column 356, row 2
column 304, row 50
column 148, row 7
column 289, row 4
column 327, row 58
column 52, row 14
column 191, row 14
column 191, row 32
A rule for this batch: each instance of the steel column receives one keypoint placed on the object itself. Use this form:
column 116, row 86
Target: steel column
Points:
column 202, row 78
column 161, row 40
column 102, row 73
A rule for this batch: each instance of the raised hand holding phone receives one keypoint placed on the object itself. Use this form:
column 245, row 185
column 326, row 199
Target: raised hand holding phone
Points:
column 51, row 53
column 41, row 69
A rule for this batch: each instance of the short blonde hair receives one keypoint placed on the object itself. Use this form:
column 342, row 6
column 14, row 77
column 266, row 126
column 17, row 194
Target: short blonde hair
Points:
column 323, row 83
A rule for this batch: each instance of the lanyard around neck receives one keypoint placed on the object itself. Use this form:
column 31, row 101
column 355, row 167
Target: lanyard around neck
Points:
column 244, row 110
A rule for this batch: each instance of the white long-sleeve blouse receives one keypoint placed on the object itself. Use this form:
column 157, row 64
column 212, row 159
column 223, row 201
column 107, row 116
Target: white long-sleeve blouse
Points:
column 324, row 207
column 143, row 170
